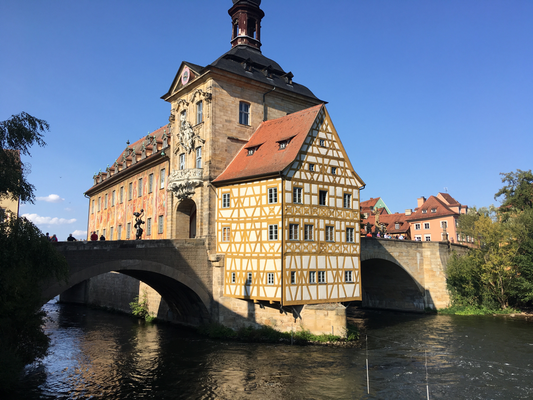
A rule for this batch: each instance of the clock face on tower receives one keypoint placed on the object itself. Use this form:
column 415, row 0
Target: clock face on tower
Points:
column 185, row 75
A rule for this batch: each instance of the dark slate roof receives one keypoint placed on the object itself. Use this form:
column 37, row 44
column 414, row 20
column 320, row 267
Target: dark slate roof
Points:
column 235, row 59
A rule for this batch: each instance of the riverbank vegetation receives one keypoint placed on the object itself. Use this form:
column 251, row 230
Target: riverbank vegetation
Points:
column 267, row 334
column 140, row 307
column 497, row 275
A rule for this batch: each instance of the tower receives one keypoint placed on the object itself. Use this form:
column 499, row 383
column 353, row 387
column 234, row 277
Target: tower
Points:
column 246, row 23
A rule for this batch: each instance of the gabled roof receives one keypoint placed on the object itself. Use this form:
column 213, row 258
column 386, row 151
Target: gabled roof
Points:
column 447, row 199
column 268, row 158
column 425, row 210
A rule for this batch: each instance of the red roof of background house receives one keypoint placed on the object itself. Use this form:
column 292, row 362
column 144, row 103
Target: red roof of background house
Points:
column 389, row 220
column 268, row 158
column 158, row 133
column 448, row 199
column 441, row 210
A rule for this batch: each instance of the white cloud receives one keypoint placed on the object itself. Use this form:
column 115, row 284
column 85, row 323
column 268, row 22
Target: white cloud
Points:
column 79, row 234
column 51, row 198
column 38, row 220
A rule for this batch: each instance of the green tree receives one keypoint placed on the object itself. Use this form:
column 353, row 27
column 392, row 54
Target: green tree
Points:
column 517, row 193
column 17, row 135
column 28, row 260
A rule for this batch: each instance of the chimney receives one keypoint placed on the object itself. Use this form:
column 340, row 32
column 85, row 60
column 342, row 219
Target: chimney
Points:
column 421, row 200
column 408, row 211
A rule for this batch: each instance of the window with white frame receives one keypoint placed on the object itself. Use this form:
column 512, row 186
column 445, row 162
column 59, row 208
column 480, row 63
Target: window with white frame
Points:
column 297, row 195
column 347, row 200
column 433, row 210
column 311, row 167
column 321, row 276
column 322, row 197
column 417, row 227
column 272, row 195
column 293, row 277
column 348, row 276
column 349, row 235
column 140, row 188
column 273, row 232
column 233, row 280
column 329, row 234
column 162, row 179
column 308, row 232
column 427, row 238
column 249, row 278
column 105, row 202
column 426, row 225
column 148, row 226
column 396, row 225
column 226, row 234
column 244, row 113
column 418, row 238
column 199, row 112
column 443, row 224
column 150, row 183
column 119, row 233
column 293, row 231
column 283, row 144
column 128, row 230
column 270, row 278
column 182, row 161
column 226, row 198
column 198, row 157
column 312, row 277
column 160, row 224
column 424, row 211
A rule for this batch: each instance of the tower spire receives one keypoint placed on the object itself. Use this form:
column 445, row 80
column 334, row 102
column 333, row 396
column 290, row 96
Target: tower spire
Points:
column 246, row 23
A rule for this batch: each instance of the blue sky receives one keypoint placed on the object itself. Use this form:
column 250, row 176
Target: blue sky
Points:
column 426, row 95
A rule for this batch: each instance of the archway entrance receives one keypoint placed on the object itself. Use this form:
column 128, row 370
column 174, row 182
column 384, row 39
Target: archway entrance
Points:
column 185, row 227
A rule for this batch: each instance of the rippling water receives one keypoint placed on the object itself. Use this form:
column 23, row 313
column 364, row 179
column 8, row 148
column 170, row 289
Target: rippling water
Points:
column 99, row 355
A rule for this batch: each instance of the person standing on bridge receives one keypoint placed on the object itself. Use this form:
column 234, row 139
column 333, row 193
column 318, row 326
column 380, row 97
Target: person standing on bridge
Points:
column 102, row 237
column 71, row 238
column 94, row 236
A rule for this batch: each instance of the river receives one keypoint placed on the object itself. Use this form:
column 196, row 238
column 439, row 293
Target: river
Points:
column 101, row 355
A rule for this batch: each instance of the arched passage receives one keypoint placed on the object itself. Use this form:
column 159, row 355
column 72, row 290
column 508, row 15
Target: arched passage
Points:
column 386, row 285
column 188, row 301
column 185, row 226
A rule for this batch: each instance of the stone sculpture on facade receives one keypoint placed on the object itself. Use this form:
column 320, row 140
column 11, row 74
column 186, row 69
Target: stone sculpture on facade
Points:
column 184, row 182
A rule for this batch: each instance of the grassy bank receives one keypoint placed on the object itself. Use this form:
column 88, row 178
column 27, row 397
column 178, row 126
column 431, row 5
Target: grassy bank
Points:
column 472, row 310
column 266, row 334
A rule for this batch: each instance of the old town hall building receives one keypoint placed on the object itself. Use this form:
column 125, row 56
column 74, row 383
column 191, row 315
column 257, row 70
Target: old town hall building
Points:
column 250, row 162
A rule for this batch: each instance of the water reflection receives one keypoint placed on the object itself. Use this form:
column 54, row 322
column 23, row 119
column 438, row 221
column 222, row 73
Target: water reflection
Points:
column 96, row 354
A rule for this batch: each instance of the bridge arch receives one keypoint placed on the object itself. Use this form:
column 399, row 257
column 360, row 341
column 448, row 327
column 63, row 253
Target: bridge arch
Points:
column 175, row 269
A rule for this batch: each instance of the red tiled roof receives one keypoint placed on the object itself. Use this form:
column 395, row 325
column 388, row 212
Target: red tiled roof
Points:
column 448, row 199
column 370, row 203
column 433, row 202
column 268, row 158
column 158, row 133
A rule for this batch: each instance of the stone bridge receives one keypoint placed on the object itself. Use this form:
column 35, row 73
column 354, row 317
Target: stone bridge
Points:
column 179, row 270
column 400, row 275
column 405, row 275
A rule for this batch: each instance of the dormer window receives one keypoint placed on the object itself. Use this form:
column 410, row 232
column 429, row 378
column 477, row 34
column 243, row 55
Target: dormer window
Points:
column 424, row 211
column 433, row 210
column 251, row 151
column 283, row 144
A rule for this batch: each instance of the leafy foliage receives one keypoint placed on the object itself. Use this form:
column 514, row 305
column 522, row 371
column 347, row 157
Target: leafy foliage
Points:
column 17, row 135
column 28, row 259
column 499, row 272
column 140, row 307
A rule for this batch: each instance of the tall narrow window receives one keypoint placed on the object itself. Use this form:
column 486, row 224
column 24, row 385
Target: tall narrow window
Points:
column 162, row 179
column 113, row 198
column 329, row 234
column 244, row 113
column 150, row 183
column 160, row 224
column 293, row 277
column 333, row 170
column 249, row 278
column 322, row 197
column 270, row 278
column 128, row 230
column 297, row 195
column 347, row 200
column 349, row 235
column 119, row 233
column 226, row 234
column 99, row 200
column 199, row 157
column 140, row 188
column 321, row 276
column 182, row 161
column 92, row 208
column 312, row 277
column 130, row 191
column 121, row 195
column 293, row 231
column 226, row 198
column 199, row 112
column 272, row 195
column 308, row 232
column 148, row 226
column 348, row 276
column 233, row 280
column 105, row 202
column 111, row 233
column 273, row 232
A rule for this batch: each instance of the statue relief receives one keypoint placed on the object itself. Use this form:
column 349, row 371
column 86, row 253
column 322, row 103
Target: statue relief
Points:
column 184, row 182
column 186, row 136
